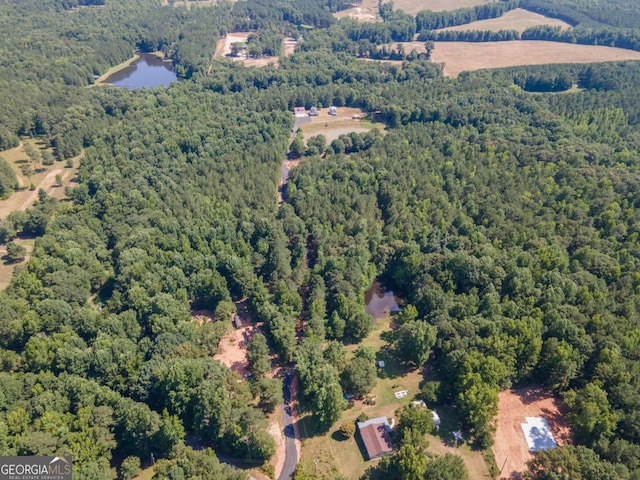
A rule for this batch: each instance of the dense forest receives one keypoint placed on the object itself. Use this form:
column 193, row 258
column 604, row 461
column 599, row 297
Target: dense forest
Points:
column 508, row 222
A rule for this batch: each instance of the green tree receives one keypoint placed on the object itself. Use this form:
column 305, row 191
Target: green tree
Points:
column 297, row 147
column 258, row 355
column 269, row 390
column 129, row 468
column 590, row 414
column 15, row 253
column 347, row 429
column 413, row 341
column 359, row 376
column 446, row 467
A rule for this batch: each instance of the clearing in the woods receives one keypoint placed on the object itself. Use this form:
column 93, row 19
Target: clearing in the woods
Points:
column 459, row 57
column 510, row 446
column 518, row 19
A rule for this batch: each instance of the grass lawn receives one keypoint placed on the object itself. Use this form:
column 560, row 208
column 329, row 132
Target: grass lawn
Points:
column 343, row 123
column 43, row 177
column 331, row 454
column 146, row 474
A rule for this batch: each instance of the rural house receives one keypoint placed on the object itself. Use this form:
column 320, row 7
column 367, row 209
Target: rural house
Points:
column 375, row 434
column 299, row 111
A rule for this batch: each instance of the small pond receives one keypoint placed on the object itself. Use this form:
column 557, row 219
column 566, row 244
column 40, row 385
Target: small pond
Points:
column 379, row 301
column 148, row 71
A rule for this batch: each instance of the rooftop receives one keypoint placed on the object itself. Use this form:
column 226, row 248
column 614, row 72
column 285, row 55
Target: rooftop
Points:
column 375, row 436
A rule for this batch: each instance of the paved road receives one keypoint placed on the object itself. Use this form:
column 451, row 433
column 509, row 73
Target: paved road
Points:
column 291, row 456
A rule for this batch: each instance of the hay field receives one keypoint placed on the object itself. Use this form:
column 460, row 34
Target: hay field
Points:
column 412, row 7
column 518, row 19
column 191, row 3
column 468, row 56
column 367, row 10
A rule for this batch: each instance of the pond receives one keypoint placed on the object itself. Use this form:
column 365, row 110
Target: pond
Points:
column 148, row 71
column 379, row 301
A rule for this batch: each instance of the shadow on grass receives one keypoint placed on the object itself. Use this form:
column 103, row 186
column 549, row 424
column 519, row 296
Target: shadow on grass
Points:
column 7, row 260
column 338, row 436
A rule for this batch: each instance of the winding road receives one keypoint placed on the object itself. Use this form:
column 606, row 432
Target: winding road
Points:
column 290, row 437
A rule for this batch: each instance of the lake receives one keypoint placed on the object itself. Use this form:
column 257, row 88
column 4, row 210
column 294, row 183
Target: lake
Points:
column 379, row 301
column 148, row 71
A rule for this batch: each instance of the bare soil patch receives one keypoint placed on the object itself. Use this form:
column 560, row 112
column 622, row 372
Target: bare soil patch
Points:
column 468, row 56
column 363, row 14
column 224, row 44
column 518, row 19
column 223, row 49
column 510, row 447
column 276, row 432
column 202, row 316
column 233, row 349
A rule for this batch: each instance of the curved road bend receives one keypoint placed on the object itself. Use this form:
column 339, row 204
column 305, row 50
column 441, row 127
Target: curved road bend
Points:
column 291, row 452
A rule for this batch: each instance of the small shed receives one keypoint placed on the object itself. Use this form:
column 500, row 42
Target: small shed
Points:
column 333, row 110
column 236, row 321
column 375, row 434
column 381, row 364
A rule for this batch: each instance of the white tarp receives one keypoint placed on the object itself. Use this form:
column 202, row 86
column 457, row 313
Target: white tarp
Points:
column 538, row 434
column 436, row 419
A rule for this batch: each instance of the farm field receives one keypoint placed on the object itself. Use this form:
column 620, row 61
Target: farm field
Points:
column 367, row 10
column 468, row 56
column 510, row 448
column 518, row 19
column 189, row 3
column 412, row 7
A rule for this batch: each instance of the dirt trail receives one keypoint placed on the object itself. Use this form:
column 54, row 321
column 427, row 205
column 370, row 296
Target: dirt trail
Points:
column 46, row 185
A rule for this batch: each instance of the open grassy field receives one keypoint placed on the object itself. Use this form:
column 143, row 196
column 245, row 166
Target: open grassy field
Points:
column 7, row 269
column 518, row 19
column 468, row 56
column 332, row 126
column 43, row 178
column 367, row 10
column 190, row 3
column 412, row 7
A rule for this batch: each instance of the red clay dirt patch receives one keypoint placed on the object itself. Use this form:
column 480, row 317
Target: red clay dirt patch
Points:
column 510, row 447
column 233, row 349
